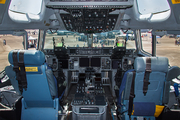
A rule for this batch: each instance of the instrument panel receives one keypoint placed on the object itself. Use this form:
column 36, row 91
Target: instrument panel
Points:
column 80, row 58
column 90, row 51
column 90, row 61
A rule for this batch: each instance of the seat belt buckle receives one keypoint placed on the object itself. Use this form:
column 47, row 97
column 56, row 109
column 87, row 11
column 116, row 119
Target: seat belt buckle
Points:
column 21, row 63
column 16, row 68
column 146, row 83
column 132, row 95
column 148, row 70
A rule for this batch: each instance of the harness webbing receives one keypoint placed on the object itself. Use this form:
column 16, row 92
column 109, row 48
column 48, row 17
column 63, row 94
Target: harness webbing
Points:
column 146, row 76
column 20, row 73
column 22, row 70
column 131, row 96
column 15, row 62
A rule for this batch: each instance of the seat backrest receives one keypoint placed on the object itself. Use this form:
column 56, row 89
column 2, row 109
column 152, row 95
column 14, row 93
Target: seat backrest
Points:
column 41, row 88
column 157, row 77
column 122, row 87
column 144, row 104
column 173, row 72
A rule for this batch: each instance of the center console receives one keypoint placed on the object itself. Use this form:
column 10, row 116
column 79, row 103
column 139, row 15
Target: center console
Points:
column 89, row 100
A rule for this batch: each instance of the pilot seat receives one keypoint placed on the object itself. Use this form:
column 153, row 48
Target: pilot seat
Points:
column 146, row 89
column 36, row 84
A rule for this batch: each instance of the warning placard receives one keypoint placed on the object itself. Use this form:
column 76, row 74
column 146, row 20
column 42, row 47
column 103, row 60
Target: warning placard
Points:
column 31, row 69
column 2, row 1
column 175, row 1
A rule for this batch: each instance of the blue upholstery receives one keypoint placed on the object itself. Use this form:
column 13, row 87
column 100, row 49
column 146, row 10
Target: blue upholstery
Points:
column 123, row 84
column 144, row 108
column 173, row 72
column 159, row 64
column 176, row 88
column 31, row 57
column 41, row 88
column 12, row 76
column 154, row 95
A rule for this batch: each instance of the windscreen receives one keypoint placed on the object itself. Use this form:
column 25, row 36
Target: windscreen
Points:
column 99, row 40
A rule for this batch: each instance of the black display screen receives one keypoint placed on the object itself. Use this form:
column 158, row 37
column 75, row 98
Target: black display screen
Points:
column 106, row 51
column 82, row 76
column 84, row 62
column 95, row 62
column 97, row 74
column 97, row 79
column 72, row 51
column 64, row 64
column 115, row 64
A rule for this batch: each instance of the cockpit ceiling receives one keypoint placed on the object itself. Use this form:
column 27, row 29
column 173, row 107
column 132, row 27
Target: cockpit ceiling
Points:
column 91, row 16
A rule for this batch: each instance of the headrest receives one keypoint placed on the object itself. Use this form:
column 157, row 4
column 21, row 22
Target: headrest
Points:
column 31, row 57
column 173, row 72
column 159, row 64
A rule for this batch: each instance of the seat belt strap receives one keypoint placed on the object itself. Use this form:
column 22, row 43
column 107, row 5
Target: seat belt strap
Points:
column 23, row 80
column 19, row 68
column 147, row 75
column 15, row 62
column 131, row 96
column 16, row 69
column 16, row 66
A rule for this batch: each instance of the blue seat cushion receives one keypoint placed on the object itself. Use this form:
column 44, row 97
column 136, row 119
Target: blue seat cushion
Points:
column 144, row 108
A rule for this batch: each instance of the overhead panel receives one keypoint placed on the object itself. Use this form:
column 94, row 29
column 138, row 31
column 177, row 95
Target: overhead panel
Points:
column 89, row 21
column 89, row 16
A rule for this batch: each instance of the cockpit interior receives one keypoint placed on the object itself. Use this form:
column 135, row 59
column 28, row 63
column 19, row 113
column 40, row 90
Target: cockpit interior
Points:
column 88, row 61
